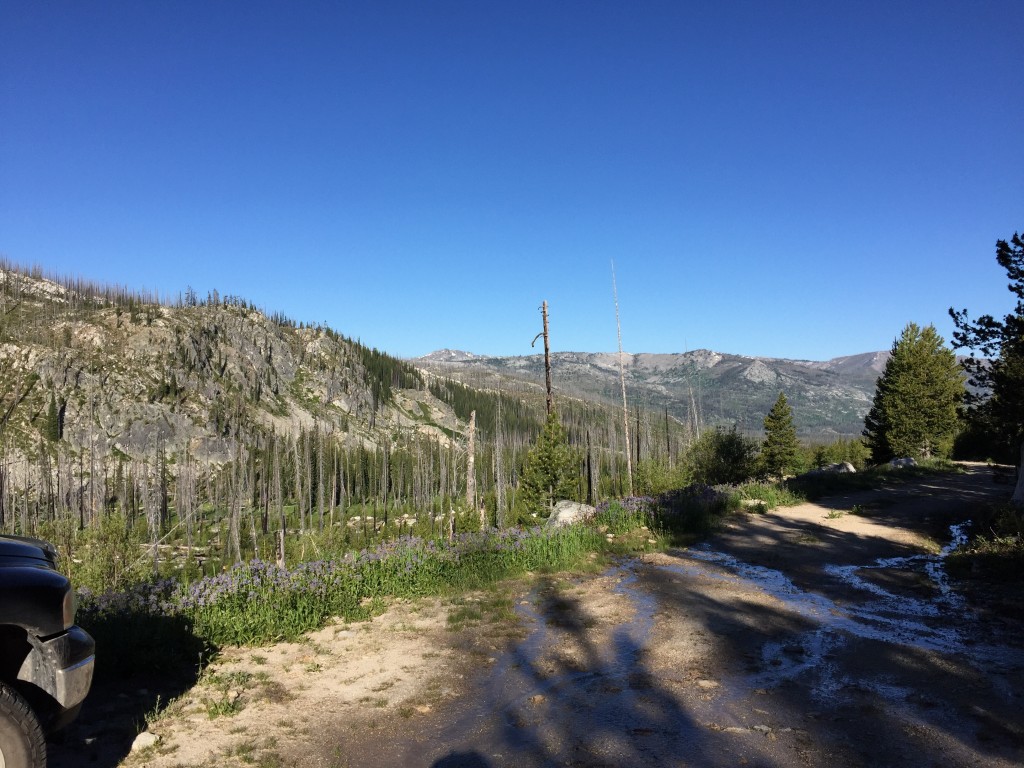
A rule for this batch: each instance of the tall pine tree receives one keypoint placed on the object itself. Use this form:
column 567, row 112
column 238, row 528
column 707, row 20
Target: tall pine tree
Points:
column 998, row 374
column 551, row 472
column 915, row 407
column 779, row 451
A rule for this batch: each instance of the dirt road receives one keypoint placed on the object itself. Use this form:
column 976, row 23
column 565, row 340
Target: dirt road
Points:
column 824, row 634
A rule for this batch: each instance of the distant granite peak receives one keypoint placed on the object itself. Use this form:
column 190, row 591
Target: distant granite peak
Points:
column 447, row 356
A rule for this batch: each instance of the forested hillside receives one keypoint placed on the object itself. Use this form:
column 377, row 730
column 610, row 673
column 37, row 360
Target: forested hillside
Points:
column 178, row 414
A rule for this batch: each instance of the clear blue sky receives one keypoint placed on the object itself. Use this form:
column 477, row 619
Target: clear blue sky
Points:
column 790, row 179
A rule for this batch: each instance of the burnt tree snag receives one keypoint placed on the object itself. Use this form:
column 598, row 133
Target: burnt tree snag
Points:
column 547, row 354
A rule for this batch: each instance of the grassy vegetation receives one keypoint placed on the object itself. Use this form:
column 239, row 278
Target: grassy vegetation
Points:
column 997, row 555
column 158, row 624
column 771, row 495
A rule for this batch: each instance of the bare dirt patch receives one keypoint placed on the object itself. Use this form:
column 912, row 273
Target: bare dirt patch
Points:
column 253, row 705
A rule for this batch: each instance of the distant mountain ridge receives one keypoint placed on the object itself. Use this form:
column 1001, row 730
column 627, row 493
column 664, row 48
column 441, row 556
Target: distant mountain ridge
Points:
column 829, row 398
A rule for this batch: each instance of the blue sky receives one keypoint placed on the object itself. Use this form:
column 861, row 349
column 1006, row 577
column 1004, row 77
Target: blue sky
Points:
column 789, row 179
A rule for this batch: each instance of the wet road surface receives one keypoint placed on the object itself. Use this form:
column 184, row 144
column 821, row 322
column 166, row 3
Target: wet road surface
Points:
column 781, row 643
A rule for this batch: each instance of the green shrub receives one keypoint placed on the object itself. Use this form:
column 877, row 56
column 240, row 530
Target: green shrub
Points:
column 722, row 456
column 109, row 554
column 772, row 495
column 999, row 554
column 624, row 516
column 655, row 476
column 853, row 450
column 695, row 510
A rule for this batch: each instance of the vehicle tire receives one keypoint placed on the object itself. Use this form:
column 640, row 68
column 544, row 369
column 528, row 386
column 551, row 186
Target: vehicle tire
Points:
column 22, row 744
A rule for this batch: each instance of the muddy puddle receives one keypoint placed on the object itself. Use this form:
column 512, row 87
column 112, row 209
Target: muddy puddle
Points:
column 905, row 601
column 574, row 691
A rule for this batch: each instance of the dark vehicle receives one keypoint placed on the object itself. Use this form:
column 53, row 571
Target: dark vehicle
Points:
column 46, row 661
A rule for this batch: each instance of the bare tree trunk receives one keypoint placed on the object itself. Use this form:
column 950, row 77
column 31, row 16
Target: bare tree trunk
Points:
column 385, row 482
column 694, row 413
column 250, row 494
column 234, row 500
column 3, row 492
column 547, row 358
column 298, row 485
column 152, row 520
column 334, row 485
column 638, row 438
column 265, row 492
column 92, row 473
column 471, row 466
column 278, row 491
column 309, row 478
column 161, row 468
column 343, row 488
column 590, row 472
column 320, row 479
column 81, row 491
column 668, row 440
column 547, row 354
column 191, row 501
column 499, row 470
column 1018, row 493
column 622, row 381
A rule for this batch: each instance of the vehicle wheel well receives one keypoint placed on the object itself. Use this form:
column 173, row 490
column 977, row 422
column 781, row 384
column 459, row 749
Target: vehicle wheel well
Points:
column 14, row 648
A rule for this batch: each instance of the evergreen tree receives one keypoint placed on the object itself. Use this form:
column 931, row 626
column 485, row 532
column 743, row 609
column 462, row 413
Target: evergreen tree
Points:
column 780, row 448
column 915, row 408
column 551, row 471
column 51, row 426
column 999, row 373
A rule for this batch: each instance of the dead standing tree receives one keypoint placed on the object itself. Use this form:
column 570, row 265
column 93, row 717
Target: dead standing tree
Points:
column 547, row 354
column 499, row 470
column 471, row 467
column 622, row 380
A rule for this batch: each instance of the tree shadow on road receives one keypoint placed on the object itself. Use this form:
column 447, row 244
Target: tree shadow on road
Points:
column 576, row 693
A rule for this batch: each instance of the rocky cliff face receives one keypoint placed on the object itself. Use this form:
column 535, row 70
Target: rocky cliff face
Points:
column 141, row 378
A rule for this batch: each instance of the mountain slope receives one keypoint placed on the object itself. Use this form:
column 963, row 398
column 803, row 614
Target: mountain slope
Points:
column 140, row 378
column 828, row 398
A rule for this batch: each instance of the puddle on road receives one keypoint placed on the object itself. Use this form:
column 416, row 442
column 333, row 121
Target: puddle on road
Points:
column 930, row 566
column 933, row 623
column 614, row 663
column 558, row 693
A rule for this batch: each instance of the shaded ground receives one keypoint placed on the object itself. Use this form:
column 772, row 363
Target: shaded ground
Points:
column 809, row 636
